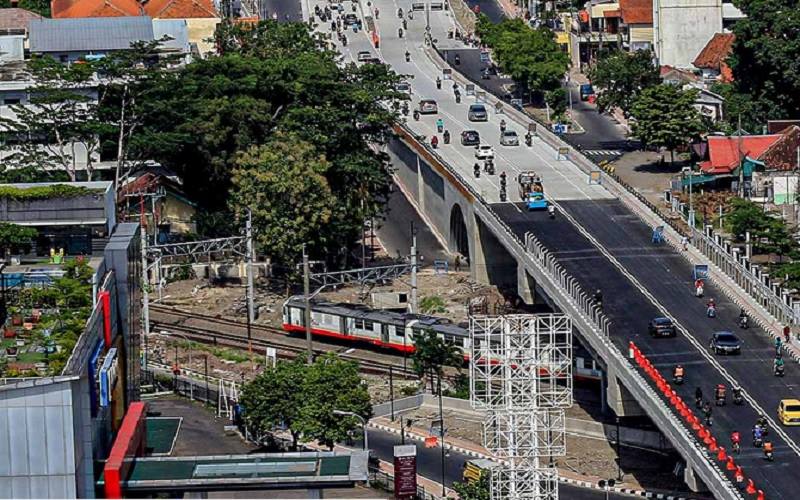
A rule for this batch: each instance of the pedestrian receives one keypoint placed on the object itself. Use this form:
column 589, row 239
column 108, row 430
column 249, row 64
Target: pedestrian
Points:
column 685, row 243
column 458, row 263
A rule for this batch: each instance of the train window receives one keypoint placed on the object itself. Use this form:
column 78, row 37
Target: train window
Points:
column 363, row 325
column 400, row 331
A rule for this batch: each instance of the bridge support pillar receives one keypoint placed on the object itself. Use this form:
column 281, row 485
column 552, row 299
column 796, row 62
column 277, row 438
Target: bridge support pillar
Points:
column 478, row 267
column 314, row 493
column 526, row 286
column 195, row 494
column 619, row 399
column 692, row 481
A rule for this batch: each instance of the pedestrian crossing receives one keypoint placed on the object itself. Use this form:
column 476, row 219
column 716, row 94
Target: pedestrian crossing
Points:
column 602, row 153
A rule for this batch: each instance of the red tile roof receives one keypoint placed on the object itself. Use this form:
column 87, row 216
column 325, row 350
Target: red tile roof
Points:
column 161, row 9
column 723, row 152
column 782, row 154
column 94, row 8
column 16, row 19
column 180, row 9
column 636, row 11
column 715, row 52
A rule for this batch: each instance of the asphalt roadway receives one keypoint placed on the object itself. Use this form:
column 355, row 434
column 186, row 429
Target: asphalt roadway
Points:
column 660, row 271
column 667, row 276
column 429, row 465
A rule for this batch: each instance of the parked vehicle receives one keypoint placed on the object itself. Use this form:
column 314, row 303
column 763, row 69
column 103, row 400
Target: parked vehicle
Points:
column 586, row 90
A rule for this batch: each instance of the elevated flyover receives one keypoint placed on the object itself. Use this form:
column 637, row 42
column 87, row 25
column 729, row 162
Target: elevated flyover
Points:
column 599, row 239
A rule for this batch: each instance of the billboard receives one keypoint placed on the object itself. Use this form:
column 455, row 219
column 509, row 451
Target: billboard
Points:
column 405, row 472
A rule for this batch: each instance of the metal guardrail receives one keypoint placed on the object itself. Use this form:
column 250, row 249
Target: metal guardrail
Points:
column 597, row 332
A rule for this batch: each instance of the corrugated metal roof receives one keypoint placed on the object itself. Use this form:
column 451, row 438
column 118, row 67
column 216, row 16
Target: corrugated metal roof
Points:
column 177, row 30
column 88, row 34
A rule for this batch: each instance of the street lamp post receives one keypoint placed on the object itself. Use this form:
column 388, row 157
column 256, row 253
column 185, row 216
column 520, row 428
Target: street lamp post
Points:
column 361, row 419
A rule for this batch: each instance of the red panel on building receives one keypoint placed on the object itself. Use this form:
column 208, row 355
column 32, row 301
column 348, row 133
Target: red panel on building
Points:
column 105, row 304
column 130, row 442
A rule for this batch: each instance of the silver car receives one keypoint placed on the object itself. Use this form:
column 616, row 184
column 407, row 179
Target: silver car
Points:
column 477, row 113
column 509, row 138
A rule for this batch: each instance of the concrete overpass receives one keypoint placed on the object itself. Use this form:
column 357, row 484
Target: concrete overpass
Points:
column 600, row 239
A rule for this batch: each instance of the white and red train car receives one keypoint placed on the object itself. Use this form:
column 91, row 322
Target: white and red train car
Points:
column 358, row 323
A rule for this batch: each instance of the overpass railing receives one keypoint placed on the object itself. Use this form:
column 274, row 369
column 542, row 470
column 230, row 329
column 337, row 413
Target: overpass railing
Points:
column 774, row 299
column 569, row 295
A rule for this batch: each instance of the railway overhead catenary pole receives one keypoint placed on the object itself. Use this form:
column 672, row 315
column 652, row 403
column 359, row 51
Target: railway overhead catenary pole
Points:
column 413, row 269
column 307, row 311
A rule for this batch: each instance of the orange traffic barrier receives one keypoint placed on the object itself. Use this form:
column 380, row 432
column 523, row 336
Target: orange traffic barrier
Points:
column 721, row 455
column 730, row 465
column 751, row 487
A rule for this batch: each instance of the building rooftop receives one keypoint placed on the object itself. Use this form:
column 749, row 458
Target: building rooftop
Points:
column 782, row 154
column 636, row 11
column 88, row 34
column 725, row 152
column 15, row 21
column 715, row 52
column 163, row 9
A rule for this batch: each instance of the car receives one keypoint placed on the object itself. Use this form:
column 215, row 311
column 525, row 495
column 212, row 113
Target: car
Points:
column 470, row 138
column 484, row 152
column 725, row 343
column 428, row 107
column 350, row 19
column 789, row 411
column 364, row 56
column 661, row 327
column 403, row 86
column 477, row 113
column 509, row 138
column 586, row 90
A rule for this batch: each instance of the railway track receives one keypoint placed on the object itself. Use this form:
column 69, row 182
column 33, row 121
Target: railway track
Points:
column 226, row 332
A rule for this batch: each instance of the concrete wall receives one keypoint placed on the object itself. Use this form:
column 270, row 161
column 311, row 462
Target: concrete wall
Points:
column 683, row 27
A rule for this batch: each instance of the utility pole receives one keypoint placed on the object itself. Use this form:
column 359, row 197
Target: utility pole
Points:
column 441, row 436
column 145, row 292
column 249, row 270
column 413, row 269
column 739, row 156
column 307, row 312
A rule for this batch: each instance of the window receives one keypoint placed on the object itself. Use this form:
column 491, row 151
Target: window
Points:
column 63, row 58
column 361, row 324
column 400, row 331
column 10, row 101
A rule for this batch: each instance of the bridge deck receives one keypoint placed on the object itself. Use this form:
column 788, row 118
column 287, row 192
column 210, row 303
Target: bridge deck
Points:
column 667, row 276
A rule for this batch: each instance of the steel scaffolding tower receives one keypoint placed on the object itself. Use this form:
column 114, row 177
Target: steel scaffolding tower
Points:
column 521, row 374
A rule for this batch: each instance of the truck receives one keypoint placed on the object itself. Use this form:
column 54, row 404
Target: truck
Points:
column 531, row 190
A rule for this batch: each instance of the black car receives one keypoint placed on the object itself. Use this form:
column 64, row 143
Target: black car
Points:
column 725, row 343
column 470, row 138
column 661, row 327
column 350, row 19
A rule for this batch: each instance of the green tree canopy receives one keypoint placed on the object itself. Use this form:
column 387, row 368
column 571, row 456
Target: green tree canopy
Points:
column 765, row 60
column 621, row 76
column 274, row 398
column 432, row 354
column 475, row 490
column 665, row 117
column 531, row 56
column 284, row 184
column 768, row 234
column 14, row 238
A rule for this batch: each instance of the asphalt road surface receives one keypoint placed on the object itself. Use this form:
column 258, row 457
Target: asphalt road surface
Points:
column 286, row 10
column 429, row 465
column 659, row 271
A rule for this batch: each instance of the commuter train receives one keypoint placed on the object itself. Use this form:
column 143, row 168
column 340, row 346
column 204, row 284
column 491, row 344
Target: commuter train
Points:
column 392, row 330
column 359, row 323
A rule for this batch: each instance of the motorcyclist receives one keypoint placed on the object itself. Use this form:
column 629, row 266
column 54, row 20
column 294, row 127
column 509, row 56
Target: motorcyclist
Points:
column 399, row 12
column 778, row 365
column 758, row 436
column 503, row 178
column 477, row 170
column 457, row 93
column 778, row 344
column 719, row 394
column 698, row 288
column 502, row 126
column 698, row 397
column 598, row 297
column 405, row 24
column 416, row 114
column 446, row 137
column 762, row 422
column 768, row 450
column 405, row 108
column 737, row 396
column 528, row 139
column 343, row 38
column 438, row 83
column 400, row 32
column 434, row 141
column 455, row 87
column 677, row 374
column 439, row 125
column 711, row 310
column 408, row 56
column 377, row 13
column 707, row 411
column 551, row 210
column 457, row 59
column 736, row 440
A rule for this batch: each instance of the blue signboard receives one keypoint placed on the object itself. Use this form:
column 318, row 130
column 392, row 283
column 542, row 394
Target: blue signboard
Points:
column 108, row 376
column 98, row 348
column 701, row 272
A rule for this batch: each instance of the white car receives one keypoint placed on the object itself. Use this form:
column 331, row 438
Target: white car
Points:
column 404, row 87
column 364, row 56
column 509, row 138
column 484, row 151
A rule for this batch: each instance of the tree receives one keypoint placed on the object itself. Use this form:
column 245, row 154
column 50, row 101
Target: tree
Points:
column 475, row 490
column 768, row 234
column 531, row 56
column 275, row 397
column 60, row 115
column 432, row 354
column 14, row 238
column 666, row 117
column 764, row 59
column 621, row 76
column 41, row 7
column 332, row 384
column 283, row 183
column 557, row 102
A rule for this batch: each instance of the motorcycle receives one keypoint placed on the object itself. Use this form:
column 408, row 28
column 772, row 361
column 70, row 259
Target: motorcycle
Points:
column 458, row 97
column 439, row 126
column 435, row 142
column 698, row 292
column 502, row 194
column 400, row 13
column 344, row 41
column 408, row 57
column 400, row 32
column 757, row 442
column 738, row 399
column 768, row 455
column 744, row 322
column 528, row 139
column 446, row 137
column 405, row 109
column 551, row 211
column 416, row 115
column 711, row 312
column 477, row 171
column 779, row 370
column 438, row 83
column 488, row 167
column 457, row 60
column 737, row 448
column 677, row 380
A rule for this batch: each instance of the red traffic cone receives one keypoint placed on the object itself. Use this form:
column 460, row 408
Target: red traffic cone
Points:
column 712, row 446
column 673, row 397
column 707, row 438
column 760, row 495
column 721, row 455
column 730, row 465
column 695, row 423
column 685, row 411
column 751, row 487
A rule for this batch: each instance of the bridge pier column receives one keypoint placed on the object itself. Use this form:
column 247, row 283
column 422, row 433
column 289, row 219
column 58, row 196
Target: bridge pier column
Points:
column 195, row 494
column 526, row 286
column 478, row 267
column 619, row 399
column 692, row 481
column 315, row 493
